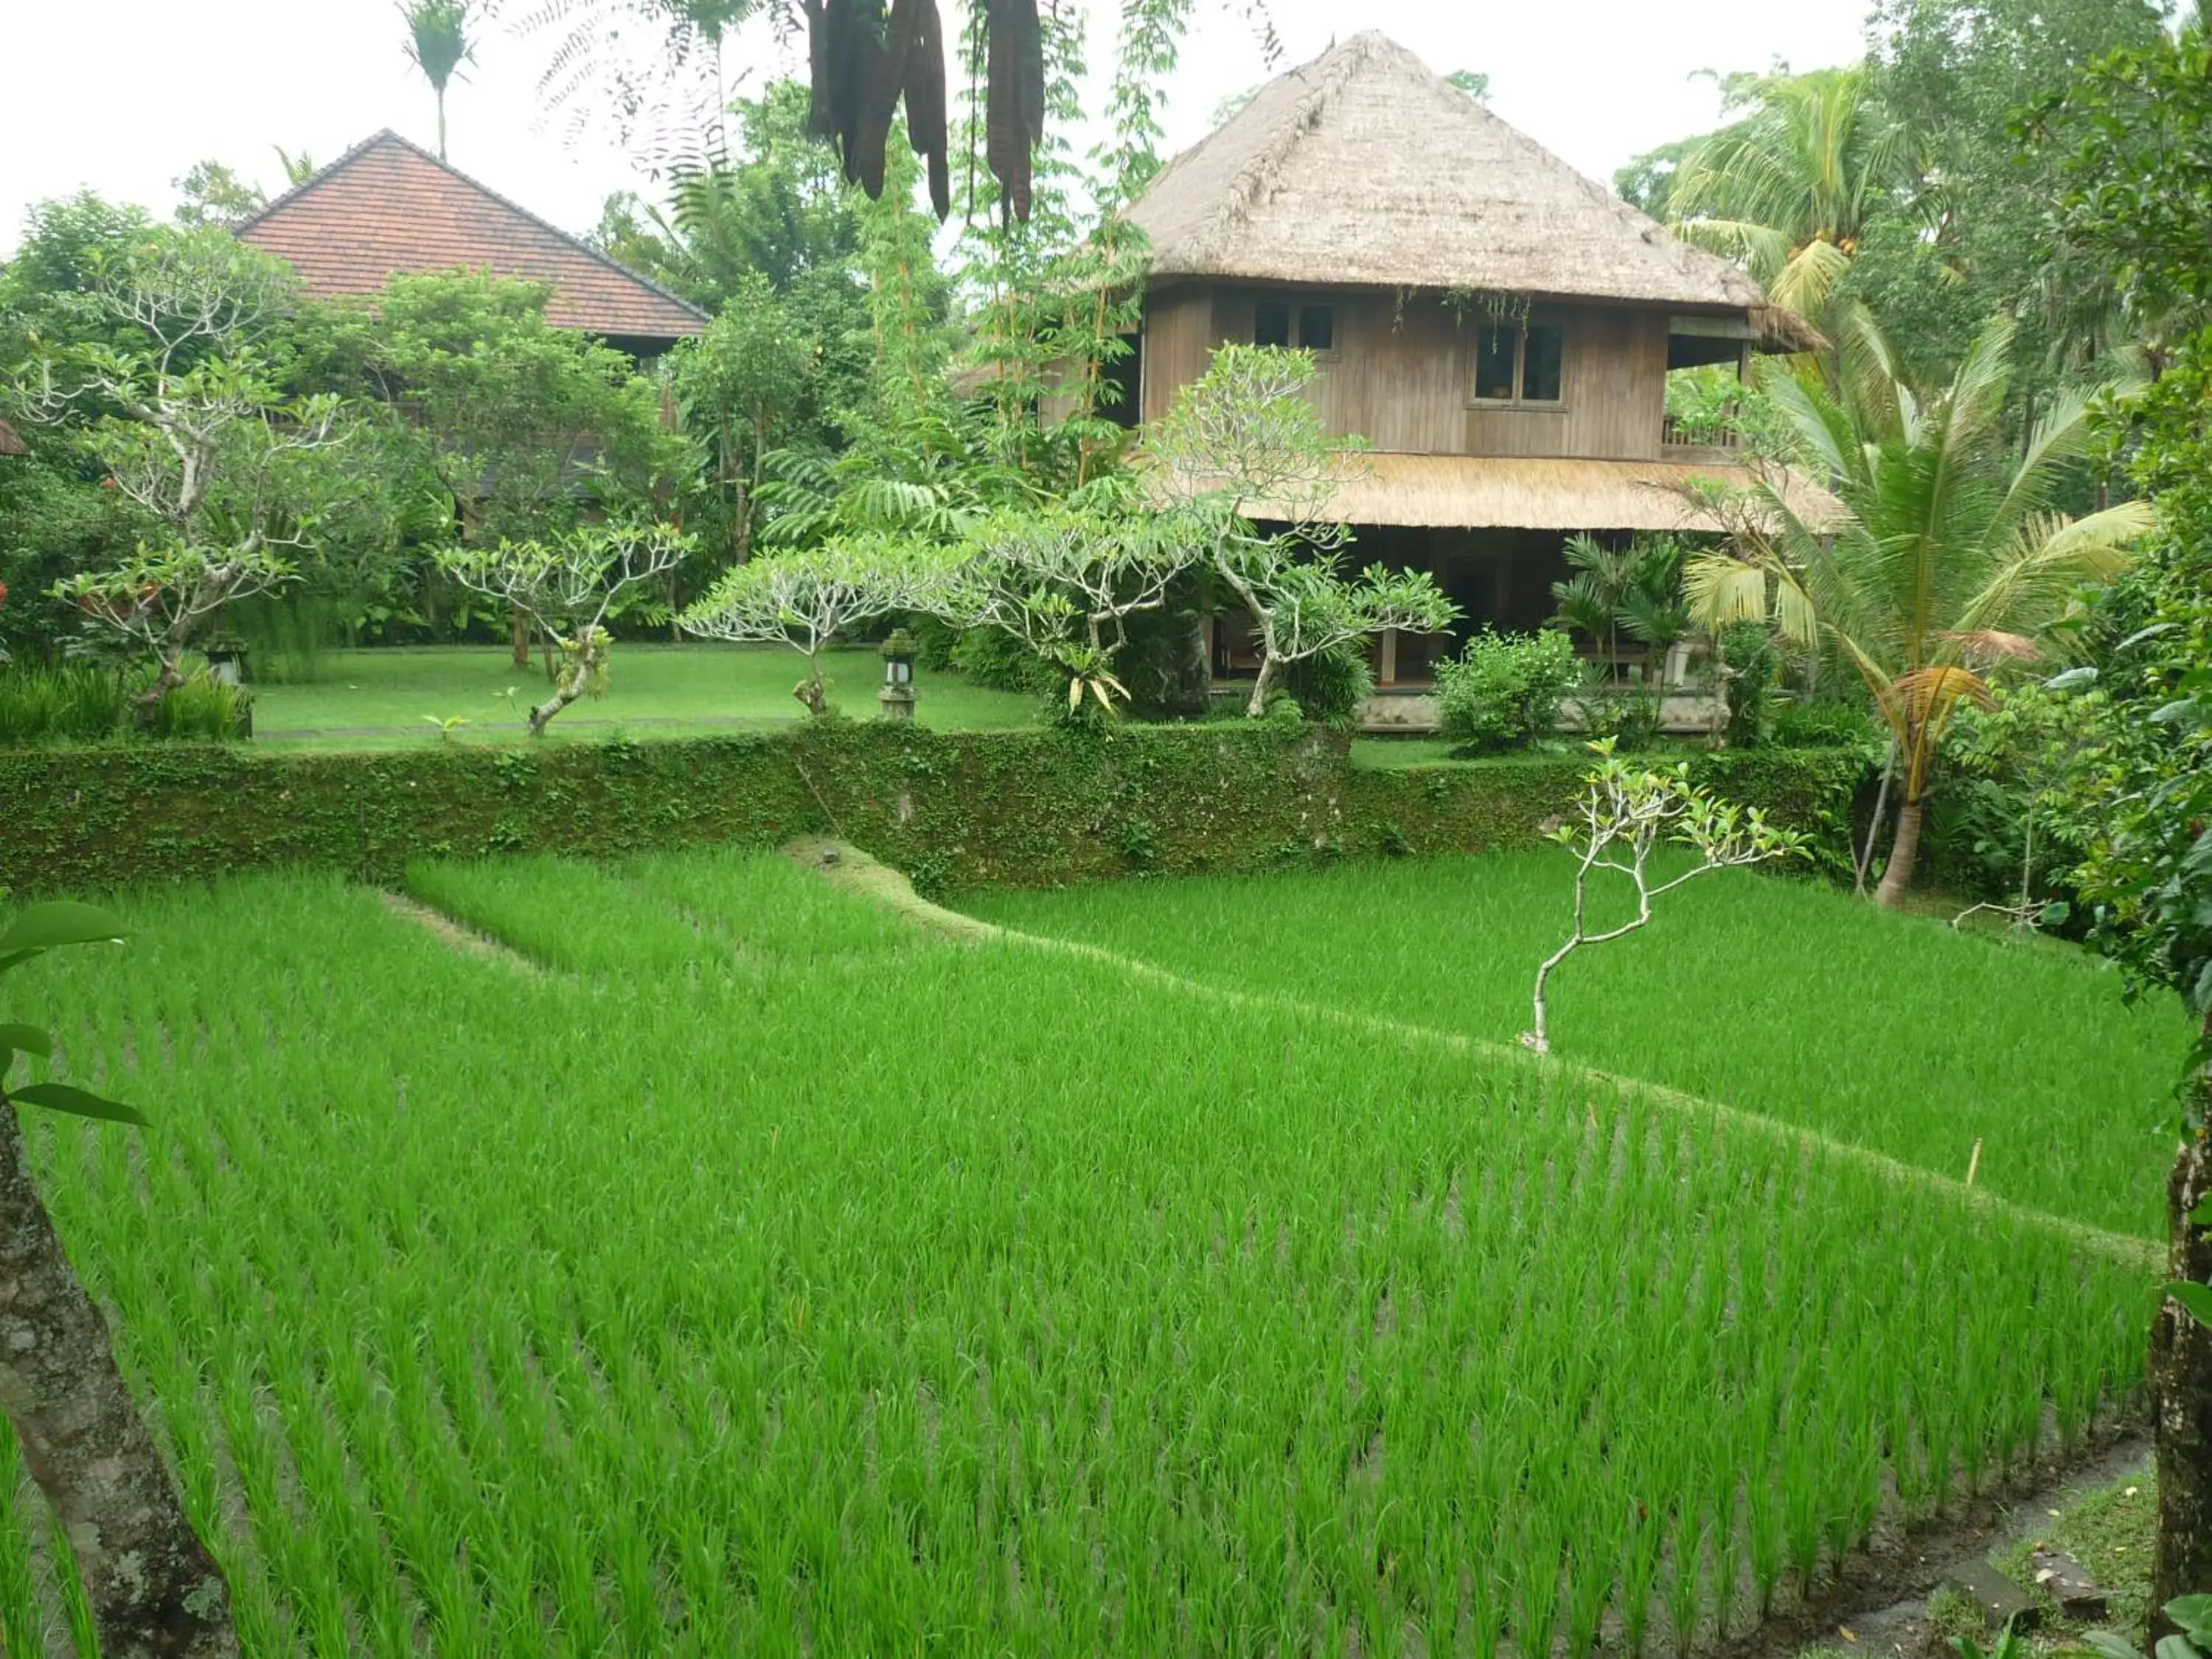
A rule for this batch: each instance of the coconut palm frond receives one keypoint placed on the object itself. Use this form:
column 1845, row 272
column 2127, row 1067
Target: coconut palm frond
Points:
column 1821, row 425
column 2062, row 435
column 2052, row 556
column 1927, row 699
column 1809, row 276
column 1760, row 249
column 1721, row 589
column 1793, row 615
column 1975, row 401
column 1990, row 644
column 1874, row 390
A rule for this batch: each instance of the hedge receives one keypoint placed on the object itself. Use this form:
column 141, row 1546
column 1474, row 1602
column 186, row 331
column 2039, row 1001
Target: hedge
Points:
column 1032, row 808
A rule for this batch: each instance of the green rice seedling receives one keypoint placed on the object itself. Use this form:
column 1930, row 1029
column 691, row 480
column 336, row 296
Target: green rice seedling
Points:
column 771, row 1273
column 1686, row 1551
column 77, row 1610
column 1781, row 997
column 19, row 1618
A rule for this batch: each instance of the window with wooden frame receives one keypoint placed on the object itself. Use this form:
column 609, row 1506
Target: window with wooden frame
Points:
column 1285, row 323
column 1519, row 363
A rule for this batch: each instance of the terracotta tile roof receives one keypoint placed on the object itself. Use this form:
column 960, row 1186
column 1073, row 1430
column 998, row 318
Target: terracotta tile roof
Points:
column 387, row 207
column 10, row 444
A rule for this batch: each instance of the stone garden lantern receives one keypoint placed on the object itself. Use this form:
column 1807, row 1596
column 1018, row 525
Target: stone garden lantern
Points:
column 897, row 697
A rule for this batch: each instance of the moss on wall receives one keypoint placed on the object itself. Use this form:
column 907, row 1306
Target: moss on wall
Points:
column 952, row 809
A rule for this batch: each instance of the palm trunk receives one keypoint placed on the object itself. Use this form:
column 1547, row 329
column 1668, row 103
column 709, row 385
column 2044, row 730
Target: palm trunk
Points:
column 154, row 1591
column 1874, row 829
column 518, row 639
column 1896, row 876
column 2181, row 1382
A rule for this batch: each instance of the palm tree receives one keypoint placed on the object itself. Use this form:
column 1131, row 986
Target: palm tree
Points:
column 1790, row 188
column 1950, row 562
column 438, row 44
column 1634, row 589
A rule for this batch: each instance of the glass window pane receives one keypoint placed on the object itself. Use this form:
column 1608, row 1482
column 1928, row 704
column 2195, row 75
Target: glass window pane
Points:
column 1496, row 346
column 1540, row 375
column 1271, row 323
column 1318, row 328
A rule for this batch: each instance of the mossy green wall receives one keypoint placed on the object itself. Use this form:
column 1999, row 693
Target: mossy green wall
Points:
column 952, row 809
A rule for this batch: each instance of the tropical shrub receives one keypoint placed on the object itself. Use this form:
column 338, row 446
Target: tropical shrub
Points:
column 85, row 702
column 1626, row 716
column 1332, row 689
column 1826, row 723
column 1749, row 668
column 76, row 702
column 1502, row 691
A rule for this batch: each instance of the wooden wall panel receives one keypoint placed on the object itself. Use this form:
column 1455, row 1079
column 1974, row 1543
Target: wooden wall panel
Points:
column 1400, row 374
column 1179, row 341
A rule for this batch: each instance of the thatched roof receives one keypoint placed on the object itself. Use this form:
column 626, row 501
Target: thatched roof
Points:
column 1364, row 168
column 10, row 442
column 1469, row 492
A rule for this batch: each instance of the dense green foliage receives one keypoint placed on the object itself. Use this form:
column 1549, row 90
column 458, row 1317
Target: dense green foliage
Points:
column 501, row 1332
column 1502, row 691
column 2143, row 124
column 1031, row 807
column 1942, row 1040
column 1952, row 567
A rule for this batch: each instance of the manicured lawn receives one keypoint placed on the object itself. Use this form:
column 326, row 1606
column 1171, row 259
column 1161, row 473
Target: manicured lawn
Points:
column 727, row 1267
column 380, row 698
column 1783, row 997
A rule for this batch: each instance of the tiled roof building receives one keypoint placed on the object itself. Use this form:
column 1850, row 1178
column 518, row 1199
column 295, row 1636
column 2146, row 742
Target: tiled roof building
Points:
column 387, row 207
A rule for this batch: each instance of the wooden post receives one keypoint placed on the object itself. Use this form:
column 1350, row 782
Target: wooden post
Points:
column 1390, row 674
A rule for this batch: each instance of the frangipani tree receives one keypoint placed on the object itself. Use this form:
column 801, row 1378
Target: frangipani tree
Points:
column 1245, row 442
column 1065, row 581
column 1627, row 814
column 161, row 599
column 810, row 598
column 181, row 405
column 1305, row 608
column 568, row 586
column 1951, row 562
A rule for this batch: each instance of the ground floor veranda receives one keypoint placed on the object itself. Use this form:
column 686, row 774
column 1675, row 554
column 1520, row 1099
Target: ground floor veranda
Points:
column 1498, row 579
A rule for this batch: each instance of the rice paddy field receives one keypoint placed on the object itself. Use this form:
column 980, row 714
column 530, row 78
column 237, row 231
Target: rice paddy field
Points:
column 693, row 1258
column 1785, row 998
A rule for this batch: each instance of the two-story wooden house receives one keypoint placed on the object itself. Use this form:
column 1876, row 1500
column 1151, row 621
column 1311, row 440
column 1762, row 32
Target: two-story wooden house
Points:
column 1498, row 328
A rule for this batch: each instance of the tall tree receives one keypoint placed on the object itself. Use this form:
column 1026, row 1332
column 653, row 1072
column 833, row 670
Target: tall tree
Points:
column 1790, row 186
column 1950, row 561
column 1968, row 241
column 189, row 423
column 529, row 429
column 438, row 44
column 211, row 194
column 2136, row 135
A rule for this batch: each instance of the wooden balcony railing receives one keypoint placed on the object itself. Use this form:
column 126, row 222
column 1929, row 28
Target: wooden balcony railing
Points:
column 1675, row 434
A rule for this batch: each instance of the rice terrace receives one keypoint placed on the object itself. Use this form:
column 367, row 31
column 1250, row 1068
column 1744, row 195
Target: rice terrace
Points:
column 1155, row 829
column 733, row 1264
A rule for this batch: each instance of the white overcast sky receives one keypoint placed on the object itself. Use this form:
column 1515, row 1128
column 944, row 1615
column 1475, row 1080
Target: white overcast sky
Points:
column 121, row 96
